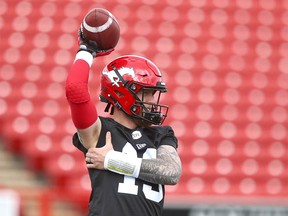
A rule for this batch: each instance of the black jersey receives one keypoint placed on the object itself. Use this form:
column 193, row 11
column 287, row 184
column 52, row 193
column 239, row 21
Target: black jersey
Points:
column 119, row 195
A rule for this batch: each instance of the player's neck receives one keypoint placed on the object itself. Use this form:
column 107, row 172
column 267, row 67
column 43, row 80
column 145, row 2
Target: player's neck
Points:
column 123, row 119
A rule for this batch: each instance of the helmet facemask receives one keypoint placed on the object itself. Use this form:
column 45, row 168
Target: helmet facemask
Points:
column 149, row 112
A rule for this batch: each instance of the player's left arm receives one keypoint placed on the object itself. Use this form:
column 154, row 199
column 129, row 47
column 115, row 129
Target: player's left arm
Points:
column 165, row 169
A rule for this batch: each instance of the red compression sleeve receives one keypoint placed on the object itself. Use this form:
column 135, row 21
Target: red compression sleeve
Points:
column 83, row 110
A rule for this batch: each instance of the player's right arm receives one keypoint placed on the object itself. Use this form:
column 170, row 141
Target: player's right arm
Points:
column 83, row 111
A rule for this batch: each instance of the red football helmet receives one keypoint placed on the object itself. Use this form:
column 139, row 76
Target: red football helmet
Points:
column 126, row 76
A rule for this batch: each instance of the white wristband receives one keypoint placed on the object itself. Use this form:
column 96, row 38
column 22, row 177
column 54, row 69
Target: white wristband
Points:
column 86, row 56
column 121, row 163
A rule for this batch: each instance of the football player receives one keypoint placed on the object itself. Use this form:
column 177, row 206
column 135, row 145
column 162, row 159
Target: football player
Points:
column 130, row 155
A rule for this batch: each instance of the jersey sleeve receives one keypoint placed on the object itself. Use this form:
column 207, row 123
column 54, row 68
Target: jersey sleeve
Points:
column 77, row 143
column 169, row 137
column 162, row 135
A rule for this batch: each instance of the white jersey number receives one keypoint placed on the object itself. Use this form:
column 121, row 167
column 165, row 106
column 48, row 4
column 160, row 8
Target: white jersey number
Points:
column 129, row 186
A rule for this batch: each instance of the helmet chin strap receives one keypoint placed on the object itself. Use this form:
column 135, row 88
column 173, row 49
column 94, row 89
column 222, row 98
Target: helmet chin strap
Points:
column 153, row 117
column 141, row 122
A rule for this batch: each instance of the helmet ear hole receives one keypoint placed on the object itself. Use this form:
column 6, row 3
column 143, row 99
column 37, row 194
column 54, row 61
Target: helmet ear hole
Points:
column 119, row 94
